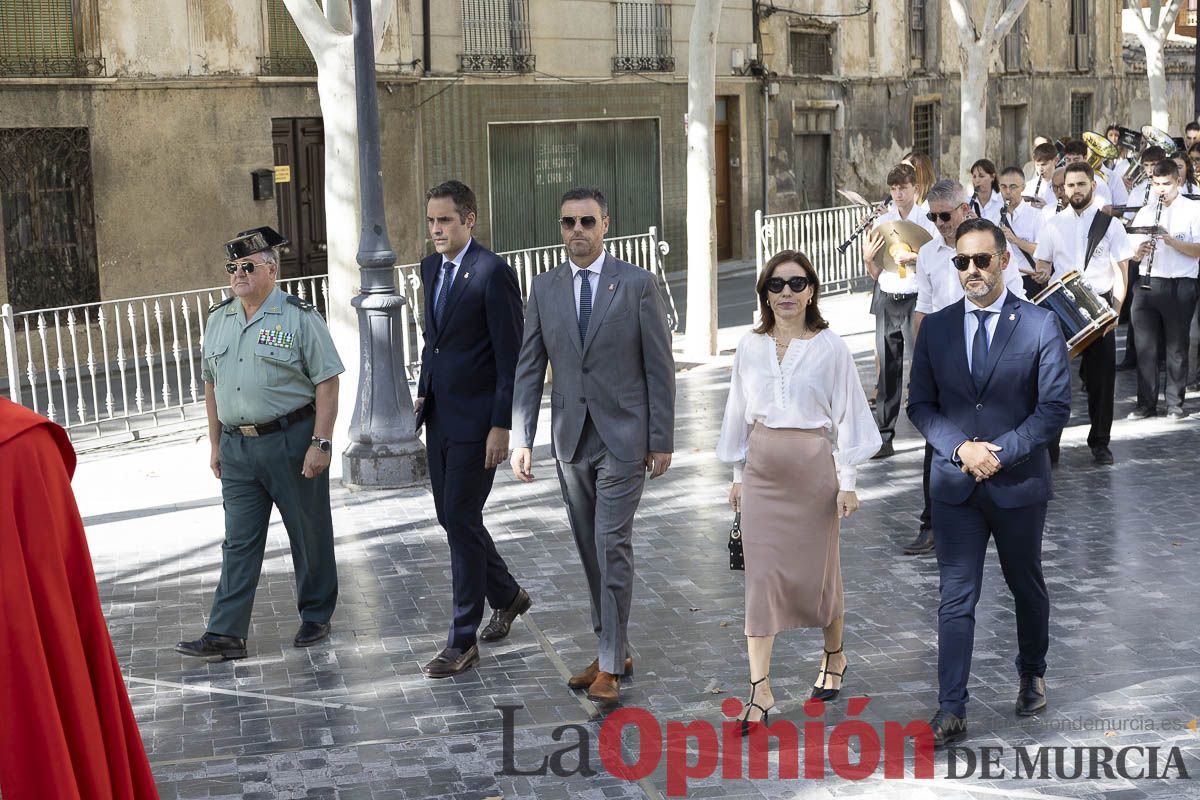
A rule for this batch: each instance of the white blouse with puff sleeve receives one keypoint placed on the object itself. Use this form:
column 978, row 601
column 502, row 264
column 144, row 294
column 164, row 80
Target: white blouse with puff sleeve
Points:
column 816, row 386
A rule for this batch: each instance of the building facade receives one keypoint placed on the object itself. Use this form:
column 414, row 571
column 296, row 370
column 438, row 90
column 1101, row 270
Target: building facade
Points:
column 137, row 136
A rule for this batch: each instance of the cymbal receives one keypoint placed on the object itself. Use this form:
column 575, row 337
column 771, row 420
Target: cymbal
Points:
column 900, row 236
column 853, row 197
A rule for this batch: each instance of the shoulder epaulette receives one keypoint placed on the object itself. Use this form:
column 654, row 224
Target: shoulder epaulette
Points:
column 221, row 304
column 296, row 301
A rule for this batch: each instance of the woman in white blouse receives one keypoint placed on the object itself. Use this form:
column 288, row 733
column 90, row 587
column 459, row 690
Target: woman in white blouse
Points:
column 794, row 388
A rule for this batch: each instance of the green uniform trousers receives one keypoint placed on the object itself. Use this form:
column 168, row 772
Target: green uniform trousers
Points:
column 257, row 472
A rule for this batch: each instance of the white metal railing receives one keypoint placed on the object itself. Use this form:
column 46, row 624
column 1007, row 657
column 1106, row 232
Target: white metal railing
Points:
column 110, row 367
column 817, row 234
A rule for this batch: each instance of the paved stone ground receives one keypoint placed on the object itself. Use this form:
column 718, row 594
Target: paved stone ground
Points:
column 355, row 719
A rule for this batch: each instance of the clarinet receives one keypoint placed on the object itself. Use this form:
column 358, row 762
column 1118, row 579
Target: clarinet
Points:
column 1145, row 281
column 862, row 226
column 975, row 209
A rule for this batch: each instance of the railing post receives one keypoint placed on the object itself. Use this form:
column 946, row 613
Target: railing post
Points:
column 758, row 242
column 10, row 354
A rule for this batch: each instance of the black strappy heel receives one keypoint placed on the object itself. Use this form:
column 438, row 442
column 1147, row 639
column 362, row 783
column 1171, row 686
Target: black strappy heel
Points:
column 747, row 725
column 819, row 691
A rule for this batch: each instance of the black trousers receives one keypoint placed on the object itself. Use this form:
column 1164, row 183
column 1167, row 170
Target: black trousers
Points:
column 893, row 335
column 460, row 488
column 1126, row 317
column 1098, row 369
column 1167, row 306
column 926, row 510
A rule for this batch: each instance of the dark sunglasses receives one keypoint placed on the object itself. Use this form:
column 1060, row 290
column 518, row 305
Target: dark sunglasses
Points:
column 797, row 284
column 568, row 223
column 980, row 260
column 247, row 267
column 934, row 216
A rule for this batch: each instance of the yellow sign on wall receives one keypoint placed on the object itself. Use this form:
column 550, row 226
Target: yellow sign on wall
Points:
column 283, row 174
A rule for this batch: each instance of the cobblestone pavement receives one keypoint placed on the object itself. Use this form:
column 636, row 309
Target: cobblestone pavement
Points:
column 354, row 718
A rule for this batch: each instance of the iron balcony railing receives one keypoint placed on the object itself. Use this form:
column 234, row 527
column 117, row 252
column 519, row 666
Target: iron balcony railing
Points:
column 118, row 366
column 496, row 36
column 643, row 38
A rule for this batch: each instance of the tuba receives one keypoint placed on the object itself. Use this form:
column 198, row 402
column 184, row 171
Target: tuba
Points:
column 1100, row 150
column 1151, row 136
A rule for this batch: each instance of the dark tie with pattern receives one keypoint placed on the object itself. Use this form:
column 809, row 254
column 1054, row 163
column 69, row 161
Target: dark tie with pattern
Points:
column 585, row 304
column 979, row 349
column 439, row 304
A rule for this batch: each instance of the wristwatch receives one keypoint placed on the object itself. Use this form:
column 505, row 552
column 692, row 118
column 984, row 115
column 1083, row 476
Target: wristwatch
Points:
column 324, row 445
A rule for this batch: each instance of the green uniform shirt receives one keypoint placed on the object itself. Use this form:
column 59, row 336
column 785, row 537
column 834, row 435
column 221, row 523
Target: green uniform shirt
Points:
column 266, row 367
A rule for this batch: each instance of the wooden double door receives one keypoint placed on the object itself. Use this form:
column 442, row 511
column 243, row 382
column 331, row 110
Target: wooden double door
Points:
column 299, row 145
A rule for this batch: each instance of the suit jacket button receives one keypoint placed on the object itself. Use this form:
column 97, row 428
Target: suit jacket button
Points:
column 435, row 350
column 979, row 407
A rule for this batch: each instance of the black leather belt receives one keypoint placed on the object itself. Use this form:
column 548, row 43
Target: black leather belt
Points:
column 274, row 426
column 899, row 298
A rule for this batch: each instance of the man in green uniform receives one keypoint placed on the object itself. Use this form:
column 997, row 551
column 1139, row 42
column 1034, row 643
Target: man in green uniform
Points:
column 270, row 385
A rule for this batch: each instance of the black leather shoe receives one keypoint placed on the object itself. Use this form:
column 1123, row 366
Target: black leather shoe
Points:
column 1176, row 415
column 214, row 645
column 310, row 633
column 1031, row 698
column 886, row 450
column 1102, row 455
column 1141, row 413
column 451, row 661
column 503, row 618
column 947, row 728
column 921, row 545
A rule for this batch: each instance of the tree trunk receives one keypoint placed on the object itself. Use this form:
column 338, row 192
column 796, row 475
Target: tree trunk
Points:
column 1156, row 75
column 701, row 329
column 973, row 103
column 335, row 87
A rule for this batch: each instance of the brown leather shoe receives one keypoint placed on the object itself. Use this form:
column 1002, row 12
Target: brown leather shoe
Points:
column 605, row 689
column 582, row 680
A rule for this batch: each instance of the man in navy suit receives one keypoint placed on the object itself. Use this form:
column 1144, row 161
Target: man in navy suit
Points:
column 990, row 387
column 473, row 321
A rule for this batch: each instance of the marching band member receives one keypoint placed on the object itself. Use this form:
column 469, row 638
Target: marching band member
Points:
column 893, row 302
column 1086, row 239
column 986, row 203
column 925, row 175
column 1045, row 157
column 1076, row 152
column 1021, row 223
column 1169, row 269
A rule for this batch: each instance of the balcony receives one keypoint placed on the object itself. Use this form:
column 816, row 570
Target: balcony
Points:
column 643, row 38
column 495, row 36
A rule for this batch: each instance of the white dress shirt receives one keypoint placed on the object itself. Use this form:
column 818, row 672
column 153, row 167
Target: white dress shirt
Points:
column 1037, row 187
column 938, row 284
column 971, row 322
column 443, row 276
column 891, row 282
column 1026, row 222
column 1064, row 244
column 990, row 209
column 1103, row 193
column 593, row 275
column 816, row 386
column 1182, row 221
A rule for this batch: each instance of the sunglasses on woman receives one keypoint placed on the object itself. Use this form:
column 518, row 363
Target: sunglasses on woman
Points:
column 246, row 266
column 797, row 284
column 980, row 260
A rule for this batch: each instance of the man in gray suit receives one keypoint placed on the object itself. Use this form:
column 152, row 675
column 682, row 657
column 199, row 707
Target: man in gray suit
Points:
column 600, row 324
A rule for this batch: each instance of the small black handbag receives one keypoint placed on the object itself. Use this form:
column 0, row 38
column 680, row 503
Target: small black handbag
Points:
column 737, row 559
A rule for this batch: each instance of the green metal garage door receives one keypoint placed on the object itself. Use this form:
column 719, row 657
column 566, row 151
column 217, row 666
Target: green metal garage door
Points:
column 531, row 165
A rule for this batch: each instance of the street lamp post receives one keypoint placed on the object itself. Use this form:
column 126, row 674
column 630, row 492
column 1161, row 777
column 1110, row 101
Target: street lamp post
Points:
column 384, row 450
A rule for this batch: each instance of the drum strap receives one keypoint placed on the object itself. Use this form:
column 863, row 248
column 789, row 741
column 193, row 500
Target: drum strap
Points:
column 1096, row 233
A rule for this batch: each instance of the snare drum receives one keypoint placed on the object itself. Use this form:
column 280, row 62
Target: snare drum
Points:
column 1082, row 314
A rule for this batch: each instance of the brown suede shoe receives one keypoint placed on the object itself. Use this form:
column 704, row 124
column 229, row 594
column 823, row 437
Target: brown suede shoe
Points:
column 605, row 689
column 582, row 680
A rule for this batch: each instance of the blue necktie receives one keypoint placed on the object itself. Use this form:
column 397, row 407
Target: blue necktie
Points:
column 439, row 304
column 585, row 304
column 979, row 349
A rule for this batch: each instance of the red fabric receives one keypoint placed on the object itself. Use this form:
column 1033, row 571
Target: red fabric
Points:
column 66, row 727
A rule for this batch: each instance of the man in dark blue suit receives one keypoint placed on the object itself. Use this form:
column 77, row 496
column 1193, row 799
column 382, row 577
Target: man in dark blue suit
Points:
column 990, row 387
column 473, row 321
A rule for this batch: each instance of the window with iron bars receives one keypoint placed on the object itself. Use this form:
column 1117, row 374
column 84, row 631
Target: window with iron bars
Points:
column 811, row 52
column 925, row 131
column 1079, row 37
column 1081, row 114
column 288, row 53
column 45, row 38
column 1014, row 45
column 496, row 36
column 643, row 37
column 916, row 33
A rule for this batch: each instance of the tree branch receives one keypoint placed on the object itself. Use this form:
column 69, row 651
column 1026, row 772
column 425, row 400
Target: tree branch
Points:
column 317, row 32
column 967, row 35
column 337, row 12
column 1136, row 8
column 1009, row 18
column 1170, row 14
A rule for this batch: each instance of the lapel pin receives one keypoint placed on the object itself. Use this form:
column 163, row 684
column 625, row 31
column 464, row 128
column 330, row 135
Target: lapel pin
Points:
column 612, row 287
column 466, row 275
column 1012, row 317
